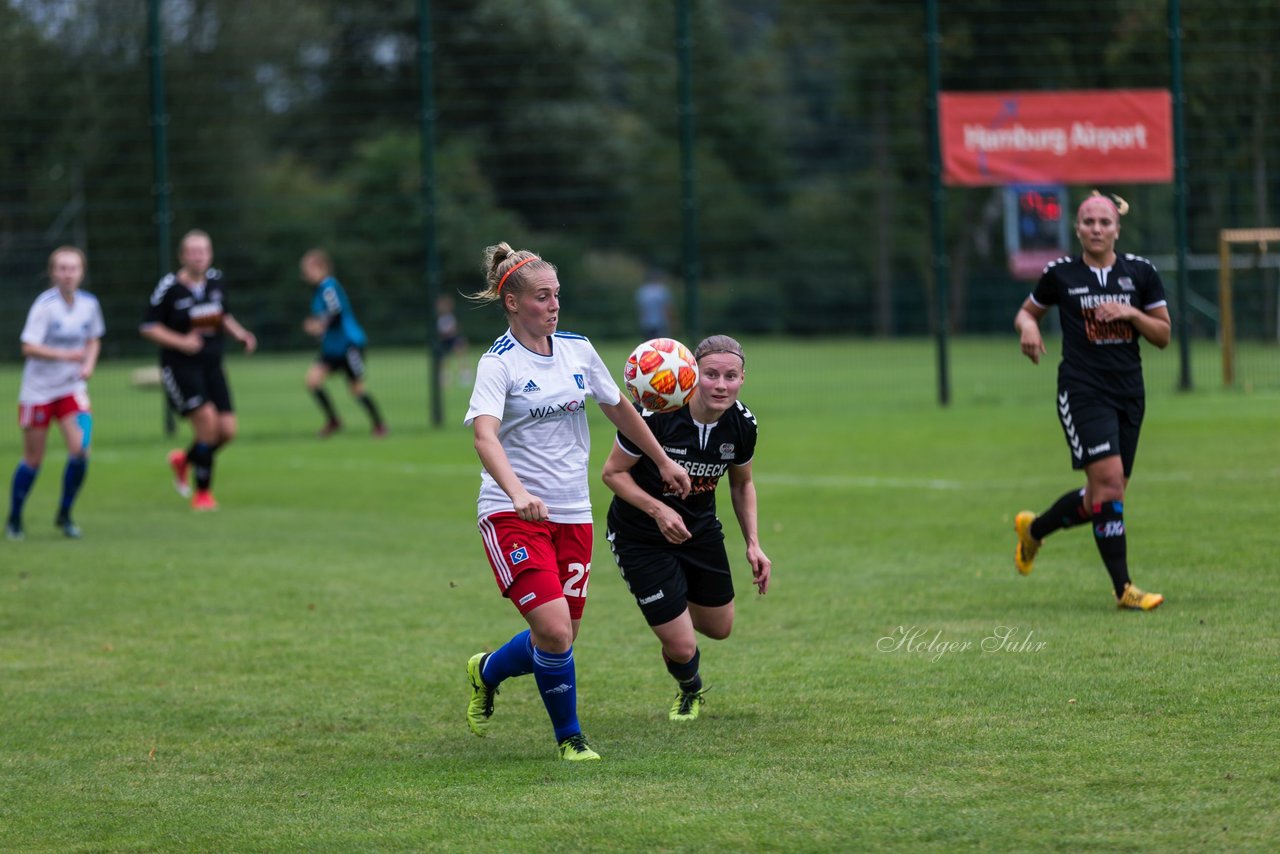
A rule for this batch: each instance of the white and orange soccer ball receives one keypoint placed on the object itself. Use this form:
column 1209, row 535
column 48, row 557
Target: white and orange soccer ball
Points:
column 661, row 375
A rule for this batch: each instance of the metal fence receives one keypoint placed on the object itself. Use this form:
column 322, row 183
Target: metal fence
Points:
column 563, row 126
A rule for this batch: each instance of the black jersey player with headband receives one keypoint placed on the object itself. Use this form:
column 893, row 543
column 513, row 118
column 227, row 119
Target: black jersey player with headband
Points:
column 670, row 549
column 1107, row 302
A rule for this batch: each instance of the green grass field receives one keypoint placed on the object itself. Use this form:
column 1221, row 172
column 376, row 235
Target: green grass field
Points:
column 288, row 673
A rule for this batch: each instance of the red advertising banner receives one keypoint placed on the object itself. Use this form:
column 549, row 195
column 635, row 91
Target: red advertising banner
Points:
column 1070, row 137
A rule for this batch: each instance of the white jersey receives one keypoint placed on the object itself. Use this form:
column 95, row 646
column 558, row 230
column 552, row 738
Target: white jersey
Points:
column 53, row 323
column 541, row 402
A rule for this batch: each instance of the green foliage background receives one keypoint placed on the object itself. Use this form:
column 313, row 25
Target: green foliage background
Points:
column 557, row 128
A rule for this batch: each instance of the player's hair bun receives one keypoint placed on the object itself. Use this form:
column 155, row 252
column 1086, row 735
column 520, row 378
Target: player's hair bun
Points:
column 1122, row 207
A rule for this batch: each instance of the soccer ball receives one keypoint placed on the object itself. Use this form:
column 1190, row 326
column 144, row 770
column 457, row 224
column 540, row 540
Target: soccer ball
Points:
column 661, row 375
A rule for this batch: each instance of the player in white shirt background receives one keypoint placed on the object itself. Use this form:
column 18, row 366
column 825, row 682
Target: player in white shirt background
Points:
column 61, row 341
column 528, row 415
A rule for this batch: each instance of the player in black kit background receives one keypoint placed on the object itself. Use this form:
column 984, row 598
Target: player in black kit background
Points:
column 187, row 316
column 1106, row 302
column 670, row 550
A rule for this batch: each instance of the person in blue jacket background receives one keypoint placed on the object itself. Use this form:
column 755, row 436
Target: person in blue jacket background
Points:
column 342, row 342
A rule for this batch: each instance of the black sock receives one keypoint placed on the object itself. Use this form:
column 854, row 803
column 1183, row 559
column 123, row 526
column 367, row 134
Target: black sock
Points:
column 1108, row 533
column 686, row 673
column 322, row 398
column 200, row 456
column 1067, row 512
column 374, row 415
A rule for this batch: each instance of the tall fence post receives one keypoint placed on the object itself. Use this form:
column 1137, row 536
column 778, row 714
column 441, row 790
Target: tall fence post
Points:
column 162, row 215
column 941, row 290
column 688, row 171
column 431, row 263
column 1178, row 96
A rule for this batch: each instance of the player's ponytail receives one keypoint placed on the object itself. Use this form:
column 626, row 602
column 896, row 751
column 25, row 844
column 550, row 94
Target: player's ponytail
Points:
column 504, row 271
column 1120, row 205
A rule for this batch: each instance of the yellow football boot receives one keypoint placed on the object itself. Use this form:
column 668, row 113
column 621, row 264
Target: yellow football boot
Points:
column 575, row 749
column 1138, row 600
column 1024, row 554
column 686, row 706
column 480, row 706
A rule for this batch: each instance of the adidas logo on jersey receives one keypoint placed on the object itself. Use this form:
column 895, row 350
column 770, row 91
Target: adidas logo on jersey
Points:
column 530, row 387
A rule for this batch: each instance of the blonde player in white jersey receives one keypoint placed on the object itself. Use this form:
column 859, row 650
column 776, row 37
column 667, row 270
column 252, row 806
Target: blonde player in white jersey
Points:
column 61, row 341
column 528, row 414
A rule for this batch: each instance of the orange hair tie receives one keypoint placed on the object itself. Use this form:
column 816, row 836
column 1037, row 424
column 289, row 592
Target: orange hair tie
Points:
column 512, row 270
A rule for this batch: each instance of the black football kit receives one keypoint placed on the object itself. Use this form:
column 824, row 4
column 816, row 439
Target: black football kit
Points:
column 190, row 380
column 1101, row 398
column 664, row 576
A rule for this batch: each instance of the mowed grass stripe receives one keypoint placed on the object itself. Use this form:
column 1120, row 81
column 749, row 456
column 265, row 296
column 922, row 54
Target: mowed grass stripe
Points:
column 287, row 674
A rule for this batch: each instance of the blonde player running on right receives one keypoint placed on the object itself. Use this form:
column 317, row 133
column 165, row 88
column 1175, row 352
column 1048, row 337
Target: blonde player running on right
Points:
column 1106, row 303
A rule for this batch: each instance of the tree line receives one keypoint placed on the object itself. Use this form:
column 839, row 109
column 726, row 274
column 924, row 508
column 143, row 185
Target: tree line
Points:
column 557, row 127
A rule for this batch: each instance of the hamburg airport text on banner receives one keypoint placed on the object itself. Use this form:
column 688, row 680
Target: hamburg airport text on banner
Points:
column 1072, row 137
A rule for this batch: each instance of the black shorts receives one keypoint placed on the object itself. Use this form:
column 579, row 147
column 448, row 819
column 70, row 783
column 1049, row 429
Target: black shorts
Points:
column 190, row 386
column 1098, row 425
column 351, row 362
column 665, row 578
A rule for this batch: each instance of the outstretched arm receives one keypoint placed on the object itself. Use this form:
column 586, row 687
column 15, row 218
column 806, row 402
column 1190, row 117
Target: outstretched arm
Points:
column 493, row 457
column 53, row 354
column 742, row 490
column 617, row 476
column 92, row 349
column 238, row 332
column 1153, row 325
column 189, row 343
column 1027, row 322
column 624, row 416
